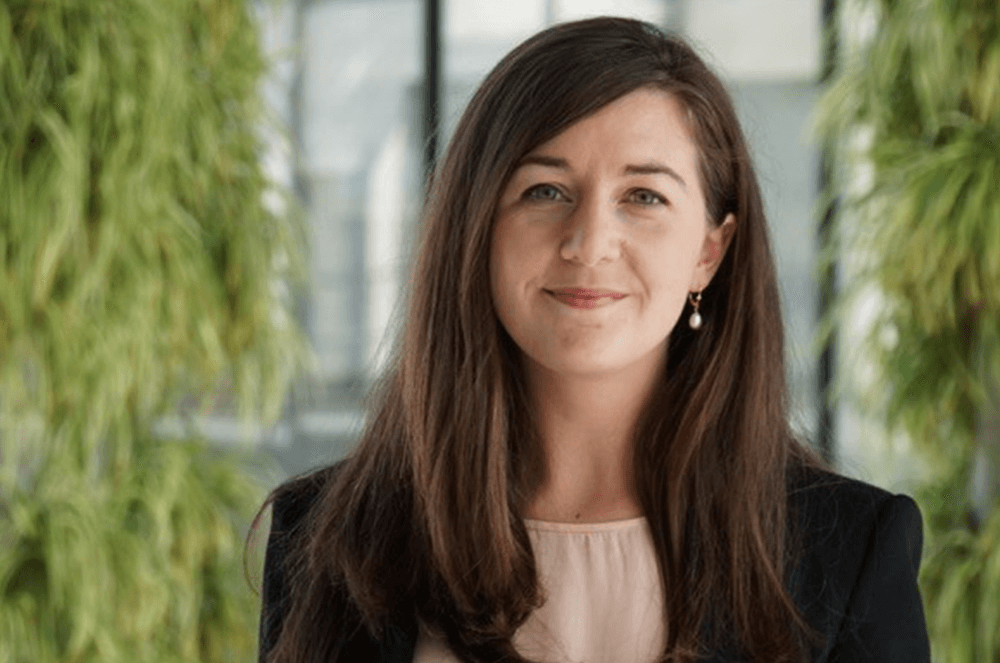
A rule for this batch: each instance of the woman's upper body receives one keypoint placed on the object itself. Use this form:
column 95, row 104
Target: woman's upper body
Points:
column 856, row 582
column 591, row 333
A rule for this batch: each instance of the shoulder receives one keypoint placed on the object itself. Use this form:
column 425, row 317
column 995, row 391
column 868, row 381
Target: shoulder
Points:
column 856, row 575
column 842, row 521
column 829, row 504
column 293, row 504
column 292, row 501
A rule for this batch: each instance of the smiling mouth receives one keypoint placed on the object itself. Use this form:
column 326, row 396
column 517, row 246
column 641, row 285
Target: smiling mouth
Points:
column 575, row 301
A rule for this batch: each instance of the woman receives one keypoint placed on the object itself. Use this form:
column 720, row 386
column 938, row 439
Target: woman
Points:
column 580, row 448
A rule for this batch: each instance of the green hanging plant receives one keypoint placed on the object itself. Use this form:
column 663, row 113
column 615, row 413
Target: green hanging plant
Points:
column 141, row 275
column 146, row 568
column 915, row 116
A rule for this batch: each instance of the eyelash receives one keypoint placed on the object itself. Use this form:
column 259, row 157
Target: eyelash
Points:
column 659, row 200
column 530, row 194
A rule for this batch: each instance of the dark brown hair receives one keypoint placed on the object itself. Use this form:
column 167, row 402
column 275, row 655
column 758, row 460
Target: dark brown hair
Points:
column 425, row 516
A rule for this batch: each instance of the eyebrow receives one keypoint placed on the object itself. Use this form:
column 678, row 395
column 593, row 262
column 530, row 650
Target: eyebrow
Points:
column 648, row 168
column 655, row 168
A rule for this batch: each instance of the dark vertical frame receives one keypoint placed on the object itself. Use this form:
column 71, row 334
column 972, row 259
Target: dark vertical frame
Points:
column 432, row 84
column 826, row 434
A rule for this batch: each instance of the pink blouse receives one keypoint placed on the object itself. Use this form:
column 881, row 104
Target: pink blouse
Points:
column 603, row 597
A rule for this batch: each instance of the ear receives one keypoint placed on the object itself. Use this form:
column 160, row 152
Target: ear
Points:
column 713, row 250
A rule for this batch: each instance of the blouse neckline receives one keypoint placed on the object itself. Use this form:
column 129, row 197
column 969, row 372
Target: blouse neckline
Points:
column 584, row 528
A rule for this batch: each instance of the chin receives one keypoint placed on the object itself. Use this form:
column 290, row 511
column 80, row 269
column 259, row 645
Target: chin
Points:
column 590, row 364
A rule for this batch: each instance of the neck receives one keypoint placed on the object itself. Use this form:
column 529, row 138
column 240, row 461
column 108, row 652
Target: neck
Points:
column 587, row 426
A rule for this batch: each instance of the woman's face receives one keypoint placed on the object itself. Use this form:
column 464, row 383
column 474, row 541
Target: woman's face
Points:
column 613, row 203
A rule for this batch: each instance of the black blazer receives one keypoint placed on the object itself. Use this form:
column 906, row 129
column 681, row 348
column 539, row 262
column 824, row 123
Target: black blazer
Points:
column 856, row 581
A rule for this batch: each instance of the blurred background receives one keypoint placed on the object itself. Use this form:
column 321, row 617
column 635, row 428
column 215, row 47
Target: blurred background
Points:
column 207, row 209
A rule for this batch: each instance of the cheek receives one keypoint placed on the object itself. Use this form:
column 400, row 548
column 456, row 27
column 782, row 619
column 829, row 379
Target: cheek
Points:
column 690, row 256
column 517, row 254
column 503, row 272
column 669, row 274
column 677, row 258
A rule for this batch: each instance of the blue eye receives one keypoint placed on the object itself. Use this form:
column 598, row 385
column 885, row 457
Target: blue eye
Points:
column 543, row 192
column 647, row 197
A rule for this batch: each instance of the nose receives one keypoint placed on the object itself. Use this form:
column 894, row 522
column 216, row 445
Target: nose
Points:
column 593, row 233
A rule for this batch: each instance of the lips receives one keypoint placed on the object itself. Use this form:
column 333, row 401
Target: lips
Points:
column 587, row 293
column 588, row 299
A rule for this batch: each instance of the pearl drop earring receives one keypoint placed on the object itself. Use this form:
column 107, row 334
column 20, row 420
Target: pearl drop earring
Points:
column 695, row 320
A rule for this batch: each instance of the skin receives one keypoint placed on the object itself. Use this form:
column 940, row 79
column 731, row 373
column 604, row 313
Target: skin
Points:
column 613, row 202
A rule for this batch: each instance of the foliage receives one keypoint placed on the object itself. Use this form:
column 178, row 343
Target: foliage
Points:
column 141, row 274
column 146, row 568
column 961, row 580
column 916, row 112
column 136, row 255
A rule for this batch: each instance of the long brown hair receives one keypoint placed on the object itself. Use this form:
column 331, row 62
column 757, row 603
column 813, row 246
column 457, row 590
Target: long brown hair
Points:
column 424, row 518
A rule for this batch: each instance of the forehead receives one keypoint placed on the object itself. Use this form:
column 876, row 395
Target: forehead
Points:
column 645, row 126
column 644, row 114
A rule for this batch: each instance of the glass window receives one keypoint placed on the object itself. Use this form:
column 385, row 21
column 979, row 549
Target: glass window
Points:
column 347, row 87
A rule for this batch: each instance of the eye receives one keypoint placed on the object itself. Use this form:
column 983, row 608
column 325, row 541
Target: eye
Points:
column 543, row 192
column 647, row 197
